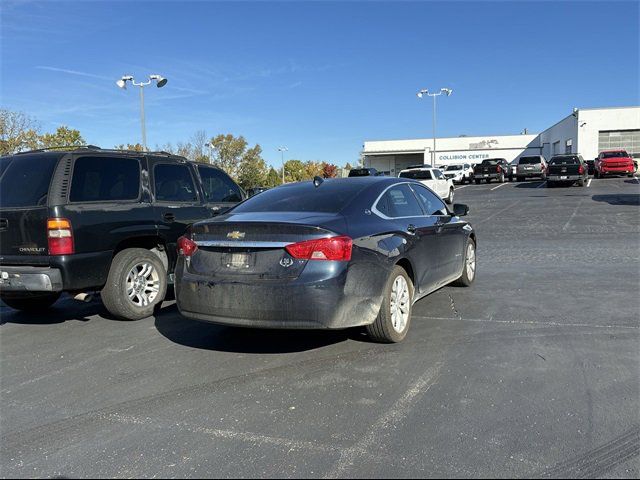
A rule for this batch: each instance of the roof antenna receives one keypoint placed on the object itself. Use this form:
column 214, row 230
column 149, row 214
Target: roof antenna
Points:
column 317, row 181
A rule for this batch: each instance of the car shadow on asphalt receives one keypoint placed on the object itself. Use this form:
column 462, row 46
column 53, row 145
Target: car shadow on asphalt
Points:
column 618, row 199
column 62, row 311
column 529, row 184
column 209, row 336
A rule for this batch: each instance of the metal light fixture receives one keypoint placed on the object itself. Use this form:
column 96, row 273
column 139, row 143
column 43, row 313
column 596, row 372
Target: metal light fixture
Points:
column 422, row 93
column 282, row 150
column 160, row 82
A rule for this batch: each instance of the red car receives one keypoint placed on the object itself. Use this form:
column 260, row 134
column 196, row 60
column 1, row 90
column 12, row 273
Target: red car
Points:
column 614, row 162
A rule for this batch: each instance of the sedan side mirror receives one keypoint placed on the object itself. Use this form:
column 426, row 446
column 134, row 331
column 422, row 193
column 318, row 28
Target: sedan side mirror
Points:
column 460, row 209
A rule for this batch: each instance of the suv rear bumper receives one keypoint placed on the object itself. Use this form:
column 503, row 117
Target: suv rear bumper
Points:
column 564, row 178
column 30, row 279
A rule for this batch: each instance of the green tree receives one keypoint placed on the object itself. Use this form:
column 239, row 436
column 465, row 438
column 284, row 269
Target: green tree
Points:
column 294, row 171
column 273, row 178
column 228, row 152
column 312, row 169
column 63, row 137
column 253, row 169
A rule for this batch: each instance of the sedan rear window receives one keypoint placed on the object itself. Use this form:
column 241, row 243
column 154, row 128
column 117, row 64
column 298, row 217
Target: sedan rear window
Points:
column 19, row 171
column 330, row 197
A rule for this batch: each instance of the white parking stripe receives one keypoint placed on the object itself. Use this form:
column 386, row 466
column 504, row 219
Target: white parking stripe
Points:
column 501, row 185
column 460, row 188
column 542, row 184
column 588, row 182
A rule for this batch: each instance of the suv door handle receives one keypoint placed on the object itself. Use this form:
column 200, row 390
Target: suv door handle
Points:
column 169, row 217
column 411, row 229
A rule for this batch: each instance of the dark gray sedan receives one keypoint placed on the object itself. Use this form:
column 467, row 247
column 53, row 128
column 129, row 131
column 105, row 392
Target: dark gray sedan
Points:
column 325, row 255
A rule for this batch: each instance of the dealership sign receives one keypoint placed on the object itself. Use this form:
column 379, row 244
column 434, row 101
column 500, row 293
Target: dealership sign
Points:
column 462, row 156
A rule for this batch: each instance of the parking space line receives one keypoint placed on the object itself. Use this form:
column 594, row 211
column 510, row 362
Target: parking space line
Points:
column 496, row 213
column 589, row 183
column 501, row 185
column 400, row 409
column 460, row 188
column 526, row 322
column 542, row 184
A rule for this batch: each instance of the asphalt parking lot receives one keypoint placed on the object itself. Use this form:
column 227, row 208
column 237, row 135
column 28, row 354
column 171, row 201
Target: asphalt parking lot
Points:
column 534, row 371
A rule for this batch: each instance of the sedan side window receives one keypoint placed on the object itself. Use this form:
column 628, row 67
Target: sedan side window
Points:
column 430, row 202
column 399, row 201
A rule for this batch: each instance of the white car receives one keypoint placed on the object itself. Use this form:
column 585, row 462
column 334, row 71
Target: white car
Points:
column 459, row 173
column 432, row 178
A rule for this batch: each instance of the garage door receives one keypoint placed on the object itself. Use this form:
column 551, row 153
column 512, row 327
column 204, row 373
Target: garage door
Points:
column 628, row 140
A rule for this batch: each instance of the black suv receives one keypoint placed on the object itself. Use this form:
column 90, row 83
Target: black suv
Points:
column 90, row 219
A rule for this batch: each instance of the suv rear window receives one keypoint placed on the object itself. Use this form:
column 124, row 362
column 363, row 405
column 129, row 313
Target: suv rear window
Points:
column 564, row 161
column 19, row 171
column 105, row 179
column 218, row 187
column 529, row 160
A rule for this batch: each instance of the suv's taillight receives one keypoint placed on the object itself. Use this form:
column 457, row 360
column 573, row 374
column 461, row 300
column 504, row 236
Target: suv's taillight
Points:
column 499, row 169
column 186, row 246
column 60, row 236
column 333, row 248
column 580, row 169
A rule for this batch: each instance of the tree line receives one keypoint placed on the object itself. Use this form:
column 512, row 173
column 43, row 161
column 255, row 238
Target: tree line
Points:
column 234, row 155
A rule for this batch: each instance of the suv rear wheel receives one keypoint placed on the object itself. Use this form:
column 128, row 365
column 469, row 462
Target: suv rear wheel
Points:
column 31, row 303
column 137, row 282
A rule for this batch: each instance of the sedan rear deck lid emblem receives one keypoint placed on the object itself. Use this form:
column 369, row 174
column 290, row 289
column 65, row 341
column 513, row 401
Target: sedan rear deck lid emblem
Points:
column 236, row 235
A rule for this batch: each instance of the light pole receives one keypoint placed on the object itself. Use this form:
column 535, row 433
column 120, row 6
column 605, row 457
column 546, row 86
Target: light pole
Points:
column 282, row 150
column 160, row 82
column 421, row 93
column 210, row 147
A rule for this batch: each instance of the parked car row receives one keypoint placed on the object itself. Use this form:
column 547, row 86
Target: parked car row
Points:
column 330, row 254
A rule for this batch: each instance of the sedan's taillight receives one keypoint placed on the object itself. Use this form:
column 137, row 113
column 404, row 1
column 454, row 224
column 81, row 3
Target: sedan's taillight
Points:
column 186, row 246
column 333, row 248
column 60, row 236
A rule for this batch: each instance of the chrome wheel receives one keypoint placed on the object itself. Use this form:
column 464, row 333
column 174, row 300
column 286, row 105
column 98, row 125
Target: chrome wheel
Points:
column 400, row 304
column 143, row 284
column 471, row 261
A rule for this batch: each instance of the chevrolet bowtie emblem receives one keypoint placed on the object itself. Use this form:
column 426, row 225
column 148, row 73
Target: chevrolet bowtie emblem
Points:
column 235, row 235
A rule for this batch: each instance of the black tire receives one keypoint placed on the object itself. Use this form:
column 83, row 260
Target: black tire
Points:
column 630, row 175
column 382, row 330
column 596, row 174
column 501, row 179
column 114, row 294
column 449, row 198
column 581, row 182
column 477, row 181
column 31, row 303
column 550, row 184
column 520, row 179
column 467, row 277
column 544, row 177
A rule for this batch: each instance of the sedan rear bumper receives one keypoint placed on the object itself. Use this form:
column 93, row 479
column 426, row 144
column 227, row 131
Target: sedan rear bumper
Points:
column 335, row 301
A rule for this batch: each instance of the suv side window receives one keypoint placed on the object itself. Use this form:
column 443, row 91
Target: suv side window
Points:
column 217, row 186
column 105, row 179
column 399, row 201
column 431, row 203
column 174, row 183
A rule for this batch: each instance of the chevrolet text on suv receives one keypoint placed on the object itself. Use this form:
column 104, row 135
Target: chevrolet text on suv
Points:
column 90, row 219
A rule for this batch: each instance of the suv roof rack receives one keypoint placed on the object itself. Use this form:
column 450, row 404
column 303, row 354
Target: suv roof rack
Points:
column 93, row 147
column 60, row 147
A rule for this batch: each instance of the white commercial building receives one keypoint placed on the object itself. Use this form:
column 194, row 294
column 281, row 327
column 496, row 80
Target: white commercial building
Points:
column 585, row 131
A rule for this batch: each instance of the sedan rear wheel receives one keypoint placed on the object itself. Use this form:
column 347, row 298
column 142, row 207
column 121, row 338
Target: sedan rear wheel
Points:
column 393, row 320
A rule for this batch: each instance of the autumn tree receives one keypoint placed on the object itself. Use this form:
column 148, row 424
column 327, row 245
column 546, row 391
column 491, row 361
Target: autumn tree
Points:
column 17, row 132
column 229, row 153
column 329, row 170
column 136, row 147
column 295, row 171
column 253, row 169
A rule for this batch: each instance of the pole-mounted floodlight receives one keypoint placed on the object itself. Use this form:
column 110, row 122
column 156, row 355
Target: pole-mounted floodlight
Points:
column 422, row 93
column 160, row 82
column 282, row 150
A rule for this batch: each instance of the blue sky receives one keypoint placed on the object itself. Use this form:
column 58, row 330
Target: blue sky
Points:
column 318, row 77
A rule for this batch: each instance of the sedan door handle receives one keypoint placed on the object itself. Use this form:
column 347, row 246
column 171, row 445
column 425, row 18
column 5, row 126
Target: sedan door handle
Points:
column 169, row 217
column 411, row 229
